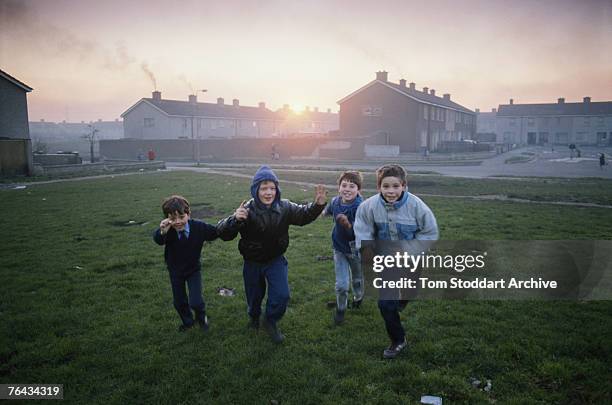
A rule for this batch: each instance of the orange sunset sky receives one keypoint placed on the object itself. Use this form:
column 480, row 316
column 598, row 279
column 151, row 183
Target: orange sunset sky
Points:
column 88, row 59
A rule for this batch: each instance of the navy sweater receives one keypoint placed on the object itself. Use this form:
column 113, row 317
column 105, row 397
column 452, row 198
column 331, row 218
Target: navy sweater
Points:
column 183, row 255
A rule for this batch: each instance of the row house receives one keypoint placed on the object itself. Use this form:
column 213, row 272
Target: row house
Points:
column 399, row 114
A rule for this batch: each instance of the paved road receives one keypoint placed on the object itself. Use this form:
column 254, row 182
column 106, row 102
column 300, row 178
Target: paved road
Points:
column 543, row 163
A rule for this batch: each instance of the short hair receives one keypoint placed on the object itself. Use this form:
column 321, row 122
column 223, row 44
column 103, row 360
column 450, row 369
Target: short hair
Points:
column 391, row 170
column 352, row 176
column 175, row 203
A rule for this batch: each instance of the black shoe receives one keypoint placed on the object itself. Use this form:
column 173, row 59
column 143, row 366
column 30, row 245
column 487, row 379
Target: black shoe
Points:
column 272, row 330
column 338, row 317
column 204, row 323
column 253, row 323
column 357, row 304
column 394, row 350
column 184, row 328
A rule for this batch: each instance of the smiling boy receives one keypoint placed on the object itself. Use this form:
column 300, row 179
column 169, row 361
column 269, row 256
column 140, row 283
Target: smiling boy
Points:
column 393, row 214
column 183, row 238
column 346, row 258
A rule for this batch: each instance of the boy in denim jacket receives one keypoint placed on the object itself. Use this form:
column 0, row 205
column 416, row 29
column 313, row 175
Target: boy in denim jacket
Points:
column 394, row 214
column 347, row 263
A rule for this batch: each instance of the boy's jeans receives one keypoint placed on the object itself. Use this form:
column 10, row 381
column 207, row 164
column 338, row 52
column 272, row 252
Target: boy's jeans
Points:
column 182, row 304
column 348, row 266
column 273, row 273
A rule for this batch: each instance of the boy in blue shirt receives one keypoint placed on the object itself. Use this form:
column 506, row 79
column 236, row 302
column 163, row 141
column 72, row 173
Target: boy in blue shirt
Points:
column 394, row 214
column 347, row 263
column 183, row 238
column 263, row 223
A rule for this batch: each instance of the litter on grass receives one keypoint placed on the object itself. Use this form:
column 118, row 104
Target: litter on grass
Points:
column 431, row 400
column 226, row 292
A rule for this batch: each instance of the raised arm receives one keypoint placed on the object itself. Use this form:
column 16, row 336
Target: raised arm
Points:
column 305, row 214
column 228, row 228
column 159, row 236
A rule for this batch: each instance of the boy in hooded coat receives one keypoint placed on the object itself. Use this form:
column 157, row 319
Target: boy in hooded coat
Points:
column 263, row 223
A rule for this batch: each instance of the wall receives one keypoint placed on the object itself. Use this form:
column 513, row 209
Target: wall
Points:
column 169, row 149
column 57, row 159
column 397, row 119
column 13, row 111
column 14, row 156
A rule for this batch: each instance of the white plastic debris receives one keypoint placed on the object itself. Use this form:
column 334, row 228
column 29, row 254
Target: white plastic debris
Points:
column 78, row 267
column 131, row 222
column 19, row 187
column 475, row 382
column 488, row 387
column 226, row 292
column 431, row 400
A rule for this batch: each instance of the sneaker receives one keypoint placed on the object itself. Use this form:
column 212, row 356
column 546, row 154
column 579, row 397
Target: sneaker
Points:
column 253, row 323
column 184, row 328
column 204, row 323
column 273, row 331
column 338, row 317
column 357, row 303
column 392, row 351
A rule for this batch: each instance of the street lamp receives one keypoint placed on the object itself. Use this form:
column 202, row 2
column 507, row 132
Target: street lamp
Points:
column 196, row 139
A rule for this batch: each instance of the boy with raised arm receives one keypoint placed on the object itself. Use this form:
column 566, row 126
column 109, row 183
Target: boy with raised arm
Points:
column 263, row 223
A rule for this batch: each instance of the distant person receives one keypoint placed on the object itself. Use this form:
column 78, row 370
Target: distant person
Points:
column 183, row 238
column 347, row 263
column 263, row 223
column 393, row 214
column 151, row 154
column 602, row 161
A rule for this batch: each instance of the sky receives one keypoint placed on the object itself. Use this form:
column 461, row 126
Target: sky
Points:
column 89, row 60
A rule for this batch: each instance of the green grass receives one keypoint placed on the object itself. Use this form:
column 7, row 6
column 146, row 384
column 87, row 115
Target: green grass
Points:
column 585, row 190
column 86, row 302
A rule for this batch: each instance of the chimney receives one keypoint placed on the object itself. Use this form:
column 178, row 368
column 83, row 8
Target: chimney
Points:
column 425, row 90
column 477, row 110
column 236, row 102
column 193, row 99
column 316, row 109
column 561, row 100
column 329, row 110
column 511, row 101
column 220, row 101
column 412, row 86
column 307, row 108
column 494, row 110
column 432, row 92
column 586, row 100
column 446, row 96
column 262, row 105
column 156, row 95
column 285, row 106
column 382, row 76
column 403, row 83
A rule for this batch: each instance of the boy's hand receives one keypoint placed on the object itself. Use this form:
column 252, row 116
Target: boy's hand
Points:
column 343, row 221
column 242, row 213
column 164, row 225
column 320, row 194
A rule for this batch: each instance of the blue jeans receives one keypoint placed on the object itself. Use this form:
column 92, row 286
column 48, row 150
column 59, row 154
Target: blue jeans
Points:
column 184, row 305
column 274, row 275
column 348, row 267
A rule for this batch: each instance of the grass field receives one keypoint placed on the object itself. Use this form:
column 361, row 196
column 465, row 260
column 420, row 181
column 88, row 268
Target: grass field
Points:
column 86, row 302
column 589, row 190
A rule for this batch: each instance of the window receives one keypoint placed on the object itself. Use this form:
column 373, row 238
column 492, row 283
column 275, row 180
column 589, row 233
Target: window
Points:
column 149, row 122
column 600, row 121
column 530, row 122
column 425, row 112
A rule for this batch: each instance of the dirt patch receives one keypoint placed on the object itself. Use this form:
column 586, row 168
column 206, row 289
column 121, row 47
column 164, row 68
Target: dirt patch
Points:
column 204, row 210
